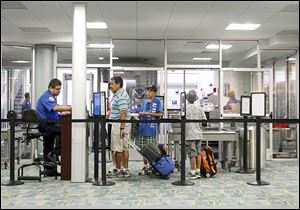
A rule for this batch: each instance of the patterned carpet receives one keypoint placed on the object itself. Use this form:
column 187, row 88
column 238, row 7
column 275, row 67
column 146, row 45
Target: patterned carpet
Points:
column 226, row 190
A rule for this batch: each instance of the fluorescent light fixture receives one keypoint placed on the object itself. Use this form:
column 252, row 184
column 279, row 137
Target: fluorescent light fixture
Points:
column 101, row 45
column 247, row 26
column 21, row 61
column 291, row 59
column 115, row 58
column 100, row 58
column 118, row 72
column 201, row 59
column 216, row 46
column 96, row 25
column 21, row 47
column 116, row 68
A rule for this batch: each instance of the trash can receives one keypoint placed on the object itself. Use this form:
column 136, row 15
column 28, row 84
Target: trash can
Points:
column 251, row 148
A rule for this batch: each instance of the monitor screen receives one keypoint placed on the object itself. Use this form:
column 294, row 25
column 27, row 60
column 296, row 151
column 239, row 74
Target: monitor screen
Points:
column 97, row 107
column 161, row 98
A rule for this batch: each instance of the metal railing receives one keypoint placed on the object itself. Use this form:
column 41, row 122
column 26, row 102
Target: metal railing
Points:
column 102, row 122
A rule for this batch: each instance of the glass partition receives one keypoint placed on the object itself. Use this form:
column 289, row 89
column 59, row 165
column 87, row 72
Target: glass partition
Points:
column 138, row 53
column 94, row 55
column 16, row 68
column 4, row 96
column 64, row 55
column 192, row 52
column 65, row 76
column 266, row 86
column 284, row 141
column 282, row 63
column 175, row 85
column 280, row 89
column 292, row 88
column 235, row 84
column 239, row 54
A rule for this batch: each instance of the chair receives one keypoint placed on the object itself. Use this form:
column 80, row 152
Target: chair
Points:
column 31, row 115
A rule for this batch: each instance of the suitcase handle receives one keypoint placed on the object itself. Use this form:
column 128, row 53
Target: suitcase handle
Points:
column 131, row 143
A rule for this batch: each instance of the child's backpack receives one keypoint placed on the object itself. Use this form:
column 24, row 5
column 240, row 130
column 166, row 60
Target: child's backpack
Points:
column 208, row 166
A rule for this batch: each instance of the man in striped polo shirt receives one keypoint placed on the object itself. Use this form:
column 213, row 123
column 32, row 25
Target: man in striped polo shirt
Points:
column 120, row 110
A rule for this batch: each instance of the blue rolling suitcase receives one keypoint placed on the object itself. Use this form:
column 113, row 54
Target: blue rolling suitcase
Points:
column 163, row 164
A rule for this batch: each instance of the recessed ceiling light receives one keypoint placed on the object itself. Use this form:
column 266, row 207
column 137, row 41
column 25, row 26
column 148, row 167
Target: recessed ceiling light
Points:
column 115, row 58
column 101, row 45
column 21, row 61
column 216, row 46
column 21, row 47
column 247, row 26
column 201, row 59
column 100, row 58
column 96, row 25
column 291, row 59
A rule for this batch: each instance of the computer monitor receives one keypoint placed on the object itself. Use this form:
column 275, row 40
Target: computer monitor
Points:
column 162, row 101
column 99, row 104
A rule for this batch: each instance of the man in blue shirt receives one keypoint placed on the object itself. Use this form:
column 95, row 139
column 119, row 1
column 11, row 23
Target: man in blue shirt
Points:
column 151, row 109
column 48, row 109
column 26, row 103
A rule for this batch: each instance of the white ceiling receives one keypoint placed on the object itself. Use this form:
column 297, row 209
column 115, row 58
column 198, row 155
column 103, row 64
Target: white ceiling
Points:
column 50, row 22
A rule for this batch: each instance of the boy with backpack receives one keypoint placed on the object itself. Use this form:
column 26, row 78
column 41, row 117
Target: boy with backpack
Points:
column 193, row 134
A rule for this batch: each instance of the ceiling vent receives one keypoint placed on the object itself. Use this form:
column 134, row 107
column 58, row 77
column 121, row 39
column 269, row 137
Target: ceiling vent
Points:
column 12, row 5
column 34, row 29
column 194, row 44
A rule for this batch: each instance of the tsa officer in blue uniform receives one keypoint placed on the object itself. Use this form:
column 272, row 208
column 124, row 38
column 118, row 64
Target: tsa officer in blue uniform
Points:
column 48, row 109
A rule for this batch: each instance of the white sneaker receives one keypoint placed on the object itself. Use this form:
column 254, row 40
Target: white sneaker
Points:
column 193, row 176
column 126, row 173
column 111, row 172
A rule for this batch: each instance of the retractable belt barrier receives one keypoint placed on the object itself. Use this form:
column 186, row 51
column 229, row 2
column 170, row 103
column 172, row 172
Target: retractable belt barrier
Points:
column 13, row 121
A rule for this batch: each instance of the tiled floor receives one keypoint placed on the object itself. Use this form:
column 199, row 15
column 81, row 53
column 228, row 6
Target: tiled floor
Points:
column 227, row 190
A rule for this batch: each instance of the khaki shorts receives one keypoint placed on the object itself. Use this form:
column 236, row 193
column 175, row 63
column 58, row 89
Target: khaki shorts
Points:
column 118, row 144
column 193, row 148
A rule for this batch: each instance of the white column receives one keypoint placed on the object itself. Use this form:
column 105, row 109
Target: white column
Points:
column 259, row 73
column 43, row 69
column 79, row 153
column 297, row 98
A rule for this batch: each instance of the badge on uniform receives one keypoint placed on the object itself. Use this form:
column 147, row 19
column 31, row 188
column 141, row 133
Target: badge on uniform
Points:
column 51, row 98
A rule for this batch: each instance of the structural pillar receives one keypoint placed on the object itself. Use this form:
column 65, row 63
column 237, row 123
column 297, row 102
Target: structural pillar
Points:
column 259, row 73
column 79, row 59
column 43, row 69
column 42, row 74
column 297, row 98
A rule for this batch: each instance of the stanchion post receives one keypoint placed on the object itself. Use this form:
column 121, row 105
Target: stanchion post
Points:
column 103, row 182
column 258, row 181
column 11, row 115
column 182, row 181
column 96, row 150
column 245, row 169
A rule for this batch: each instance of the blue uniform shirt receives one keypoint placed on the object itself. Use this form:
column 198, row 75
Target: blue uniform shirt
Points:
column 25, row 105
column 44, row 107
column 154, row 106
column 136, row 108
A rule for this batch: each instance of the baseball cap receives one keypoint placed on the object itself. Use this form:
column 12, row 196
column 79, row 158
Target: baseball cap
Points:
column 152, row 88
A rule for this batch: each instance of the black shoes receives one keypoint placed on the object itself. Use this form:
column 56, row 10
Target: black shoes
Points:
column 51, row 172
column 53, row 158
